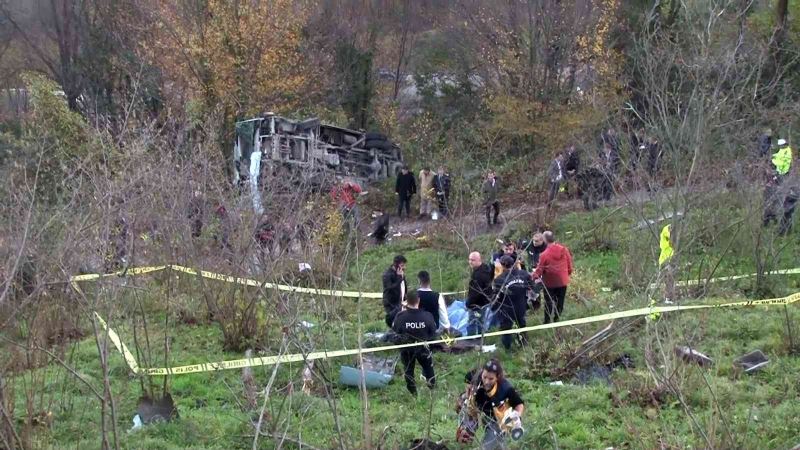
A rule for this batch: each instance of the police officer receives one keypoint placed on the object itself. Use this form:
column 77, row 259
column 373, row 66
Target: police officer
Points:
column 415, row 325
column 510, row 293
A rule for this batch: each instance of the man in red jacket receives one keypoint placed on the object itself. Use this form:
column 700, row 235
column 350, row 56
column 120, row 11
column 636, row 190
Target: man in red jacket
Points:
column 554, row 269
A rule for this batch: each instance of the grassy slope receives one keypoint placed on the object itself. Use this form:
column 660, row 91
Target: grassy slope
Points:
column 759, row 411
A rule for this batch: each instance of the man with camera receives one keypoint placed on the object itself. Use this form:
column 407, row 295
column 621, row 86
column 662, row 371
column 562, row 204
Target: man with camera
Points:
column 489, row 393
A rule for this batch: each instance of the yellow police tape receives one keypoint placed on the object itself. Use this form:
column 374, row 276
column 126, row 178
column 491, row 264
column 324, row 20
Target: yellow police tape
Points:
column 296, row 357
column 236, row 280
column 738, row 277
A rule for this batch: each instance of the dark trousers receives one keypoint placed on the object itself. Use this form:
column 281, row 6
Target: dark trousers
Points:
column 789, row 204
column 554, row 303
column 410, row 356
column 510, row 315
column 391, row 312
column 554, row 187
column 492, row 206
column 442, row 199
column 403, row 201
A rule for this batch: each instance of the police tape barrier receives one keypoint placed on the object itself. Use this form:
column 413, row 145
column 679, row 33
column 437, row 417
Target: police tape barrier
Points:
column 271, row 360
column 687, row 283
column 237, row 280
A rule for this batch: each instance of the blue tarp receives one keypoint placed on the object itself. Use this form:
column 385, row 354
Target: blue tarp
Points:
column 459, row 317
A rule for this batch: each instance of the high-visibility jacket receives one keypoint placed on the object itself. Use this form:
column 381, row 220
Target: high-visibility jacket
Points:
column 782, row 159
column 666, row 246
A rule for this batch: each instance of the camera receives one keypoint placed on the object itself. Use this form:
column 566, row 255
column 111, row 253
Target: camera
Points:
column 512, row 424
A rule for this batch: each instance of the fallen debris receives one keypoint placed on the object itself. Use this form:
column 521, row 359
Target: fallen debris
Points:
column 642, row 224
column 426, row 444
column 155, row 411
column 690, row 355
column 378, row 372
column 751, row 362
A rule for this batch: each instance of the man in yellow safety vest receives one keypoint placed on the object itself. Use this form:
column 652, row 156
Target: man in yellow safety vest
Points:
column 780, row 197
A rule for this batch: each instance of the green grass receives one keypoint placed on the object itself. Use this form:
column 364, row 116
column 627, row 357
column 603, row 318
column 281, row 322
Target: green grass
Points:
column 756, row 411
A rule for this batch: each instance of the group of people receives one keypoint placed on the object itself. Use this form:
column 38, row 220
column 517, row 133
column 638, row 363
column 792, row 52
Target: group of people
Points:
column 504, row 290
column 432, row 188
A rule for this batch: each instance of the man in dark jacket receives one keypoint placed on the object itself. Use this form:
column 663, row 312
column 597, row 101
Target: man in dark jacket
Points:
column 479, row 294
column 554, row 270
column 490, row 202
column 572, row 165
column 405, row 188
column 510, row 290
column 441, row 185
column 415, row 325
column 394, row 288
column 764, row 144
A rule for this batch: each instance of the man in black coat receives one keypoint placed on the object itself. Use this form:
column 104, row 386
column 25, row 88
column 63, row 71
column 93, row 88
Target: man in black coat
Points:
column 479, row 294
column 405, row 188
column 414, row 325
column 441, row 185
column 394, row 288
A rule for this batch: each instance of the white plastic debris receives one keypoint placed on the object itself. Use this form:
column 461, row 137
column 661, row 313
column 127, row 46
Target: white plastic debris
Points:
column 557, row 383
column 137, row 423
column 304, row 267
column 307, row 324
column 488, row 348
column 398, row 234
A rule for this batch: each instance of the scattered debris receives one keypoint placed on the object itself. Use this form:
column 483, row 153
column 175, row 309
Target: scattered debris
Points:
column 304, row 267
column 599, row 372
column 308, row 377
column 605, row 289
column 137, row 423
column 691, row 355
column 435, row 215
column 426, row 444
column 378, row 372
column 751, row 362
column 398, row 234
column 642, row 224
column 154, row 411
column 489, row 348
column 306, row 325
column 374, row 336
column 416, row 232
column 557, row 383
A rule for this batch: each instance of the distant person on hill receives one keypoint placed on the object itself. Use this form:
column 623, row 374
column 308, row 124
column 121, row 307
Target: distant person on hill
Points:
column 572, row 165
column 555, row 176
column 415, row 325
column 345, row 195
column 490, row 202
column 405, row 187
column 426, row 193
column 441, row 184
column 554, row 270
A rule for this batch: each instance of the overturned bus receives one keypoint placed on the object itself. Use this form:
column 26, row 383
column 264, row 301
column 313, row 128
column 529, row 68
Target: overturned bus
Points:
column 310, row 152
